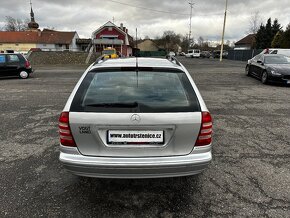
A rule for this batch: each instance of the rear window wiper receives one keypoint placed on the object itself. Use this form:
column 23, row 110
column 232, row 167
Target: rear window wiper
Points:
column 117, row 105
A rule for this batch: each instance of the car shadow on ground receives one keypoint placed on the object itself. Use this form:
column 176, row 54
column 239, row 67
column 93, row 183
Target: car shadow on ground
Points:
column 158, row 197
column 16, row 78
column 9, row 78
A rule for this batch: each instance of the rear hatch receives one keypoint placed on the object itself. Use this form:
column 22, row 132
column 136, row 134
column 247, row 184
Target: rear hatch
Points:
column 129, row 113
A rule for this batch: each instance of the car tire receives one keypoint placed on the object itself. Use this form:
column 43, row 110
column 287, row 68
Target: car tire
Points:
column 23, row 74
column 264, row 78
column 247, row 70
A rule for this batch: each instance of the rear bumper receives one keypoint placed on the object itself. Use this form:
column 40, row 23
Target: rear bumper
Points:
column 150, row 167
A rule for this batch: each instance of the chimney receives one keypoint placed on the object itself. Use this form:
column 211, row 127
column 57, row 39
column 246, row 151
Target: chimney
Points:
column 126, row 30
column 121, row 26
column 39, row 32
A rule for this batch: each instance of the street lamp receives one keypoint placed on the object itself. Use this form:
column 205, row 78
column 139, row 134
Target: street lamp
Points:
column 191, row 7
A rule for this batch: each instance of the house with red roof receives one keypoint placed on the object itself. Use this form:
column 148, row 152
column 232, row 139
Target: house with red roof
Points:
column 248, row 42
column 34, row 38
column 46, row 40
column 110, row 35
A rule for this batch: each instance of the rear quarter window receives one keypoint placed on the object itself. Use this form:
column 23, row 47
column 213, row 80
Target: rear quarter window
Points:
column 13, row 58
column 149, row 91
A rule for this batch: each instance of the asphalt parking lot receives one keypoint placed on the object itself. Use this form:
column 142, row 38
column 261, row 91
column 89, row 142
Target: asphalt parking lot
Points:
column 249, row 175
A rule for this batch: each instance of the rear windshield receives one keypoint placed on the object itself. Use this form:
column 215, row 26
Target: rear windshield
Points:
column 131, row 91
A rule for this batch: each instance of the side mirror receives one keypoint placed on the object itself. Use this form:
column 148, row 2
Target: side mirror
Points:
column 260, row 62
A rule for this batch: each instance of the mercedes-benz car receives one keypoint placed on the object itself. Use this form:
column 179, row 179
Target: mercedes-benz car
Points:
column 135, row 118
column 269, row 68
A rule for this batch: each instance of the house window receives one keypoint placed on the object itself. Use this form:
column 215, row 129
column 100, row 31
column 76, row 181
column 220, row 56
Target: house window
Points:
column 66, row 46
column 44, row 45
column 60, row 45
column 16, row 44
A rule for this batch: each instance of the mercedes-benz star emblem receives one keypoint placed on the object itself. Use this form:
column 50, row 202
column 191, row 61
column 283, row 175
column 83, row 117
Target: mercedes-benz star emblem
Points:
column 135, row 118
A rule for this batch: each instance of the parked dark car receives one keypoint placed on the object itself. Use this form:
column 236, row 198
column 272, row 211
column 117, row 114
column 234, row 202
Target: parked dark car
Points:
column 217, row 54
column 270, row 68
column 14, row 65
column 205, row 54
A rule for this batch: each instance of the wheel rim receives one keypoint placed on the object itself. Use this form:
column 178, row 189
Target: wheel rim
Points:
column 23, row 74
column 264, row 77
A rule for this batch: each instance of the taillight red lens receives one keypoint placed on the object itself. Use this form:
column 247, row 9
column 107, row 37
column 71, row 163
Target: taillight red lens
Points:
column 27, row 64
column 205, row 134
column 66, row 138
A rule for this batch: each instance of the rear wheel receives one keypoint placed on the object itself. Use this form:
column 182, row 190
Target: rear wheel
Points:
column 23, row 75
column 264, row 78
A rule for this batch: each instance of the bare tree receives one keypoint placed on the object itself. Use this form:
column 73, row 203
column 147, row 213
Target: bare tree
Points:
column 254, row 23
column 200, row 41
column 170, row 40
column 15, row 24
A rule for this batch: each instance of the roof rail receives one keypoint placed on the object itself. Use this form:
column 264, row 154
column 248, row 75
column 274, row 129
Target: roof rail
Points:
column 100, row 59
column 173, row 59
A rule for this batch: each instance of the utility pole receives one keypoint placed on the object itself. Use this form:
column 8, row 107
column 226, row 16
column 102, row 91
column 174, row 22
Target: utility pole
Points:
column 191, row 7
column 223, row 35
column 136, row 41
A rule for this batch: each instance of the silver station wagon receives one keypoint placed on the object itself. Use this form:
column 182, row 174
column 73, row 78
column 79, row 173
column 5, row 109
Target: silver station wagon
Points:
column 135, row 118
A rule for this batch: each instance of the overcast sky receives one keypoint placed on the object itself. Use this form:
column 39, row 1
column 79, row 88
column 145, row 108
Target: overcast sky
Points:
column 85, row 16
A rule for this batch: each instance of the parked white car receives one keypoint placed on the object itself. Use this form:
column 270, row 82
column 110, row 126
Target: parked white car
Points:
column 280, row 51
column 193, row 53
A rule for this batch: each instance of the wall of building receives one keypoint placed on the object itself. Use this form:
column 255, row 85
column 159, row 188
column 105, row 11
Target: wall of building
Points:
column 19, row 47
column 118, row 40
column 57, row 47
column 46, row 47
column 106, row 31
column 73, row 46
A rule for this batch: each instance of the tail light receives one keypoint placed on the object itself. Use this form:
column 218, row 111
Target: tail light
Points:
column 205, row 134
column 27, row 64
column 66, row 138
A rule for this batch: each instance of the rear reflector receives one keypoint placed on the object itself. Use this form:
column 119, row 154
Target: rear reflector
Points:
column 66, row 138
column 205, row 134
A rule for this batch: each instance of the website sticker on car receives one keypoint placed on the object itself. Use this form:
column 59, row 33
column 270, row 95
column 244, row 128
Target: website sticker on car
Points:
column 135, row 137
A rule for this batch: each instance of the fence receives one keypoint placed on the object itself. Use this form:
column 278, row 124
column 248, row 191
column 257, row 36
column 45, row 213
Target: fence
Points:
column 243, row 55
column 151, row 53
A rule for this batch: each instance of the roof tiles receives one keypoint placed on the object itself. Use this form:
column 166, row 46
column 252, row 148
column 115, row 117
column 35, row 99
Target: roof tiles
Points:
column 38, row 37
